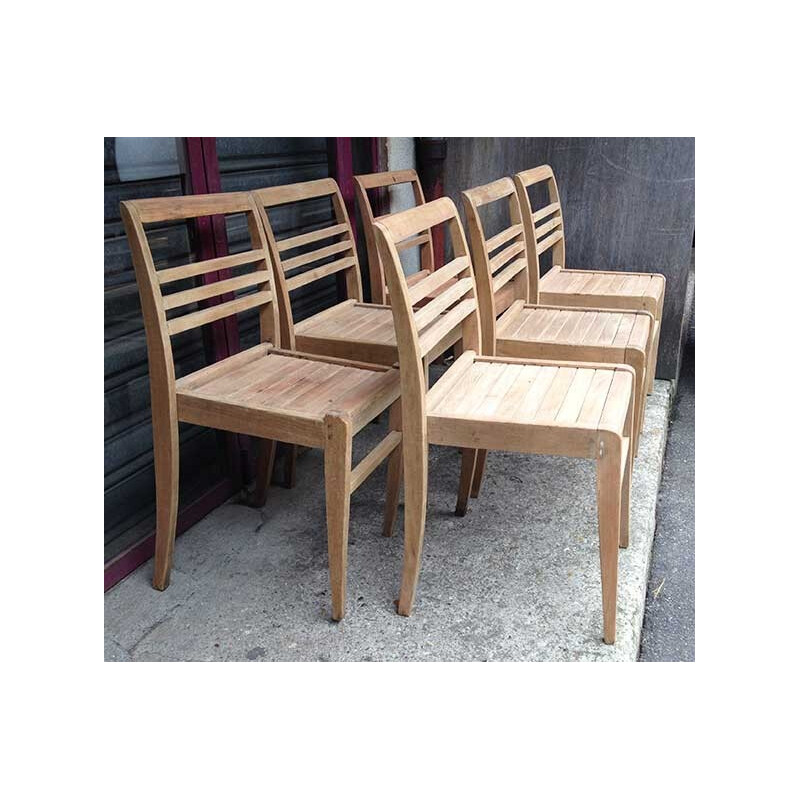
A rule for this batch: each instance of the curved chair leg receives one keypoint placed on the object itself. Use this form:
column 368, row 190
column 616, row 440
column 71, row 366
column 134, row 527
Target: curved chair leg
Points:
column 477, row 478
column 394, row 476
column 609, row 501
column 165, row 449
column 468, row 459
column 415, row 468
column 265, row 462
column 338, row 464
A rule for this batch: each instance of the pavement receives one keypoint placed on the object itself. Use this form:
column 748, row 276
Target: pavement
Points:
column 669, row 632
column 516, row 579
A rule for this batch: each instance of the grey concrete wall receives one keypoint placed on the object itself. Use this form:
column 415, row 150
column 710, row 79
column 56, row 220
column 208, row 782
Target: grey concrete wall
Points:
column 628, row 203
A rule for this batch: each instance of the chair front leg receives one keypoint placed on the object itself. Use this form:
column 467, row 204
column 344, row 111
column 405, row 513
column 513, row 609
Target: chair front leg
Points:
column 609, row 507
column 265, row 461
column 338, row 465
column 477, row 478
column 469, row 458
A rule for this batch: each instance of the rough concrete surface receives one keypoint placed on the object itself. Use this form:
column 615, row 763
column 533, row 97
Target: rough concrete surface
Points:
column 517, row 579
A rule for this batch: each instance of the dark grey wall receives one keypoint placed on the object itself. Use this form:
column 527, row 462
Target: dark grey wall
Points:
column 628, row 203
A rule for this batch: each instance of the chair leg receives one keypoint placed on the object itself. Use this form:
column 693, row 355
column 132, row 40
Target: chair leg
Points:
column 468, row 459
column 609, row 501
column 651, row 366
column 165, row 449
column 625, row 500
column 338, row 464
column 289, row 466
column 477, row 478
column 415, row 469
column 394, row 477
column 265, row 461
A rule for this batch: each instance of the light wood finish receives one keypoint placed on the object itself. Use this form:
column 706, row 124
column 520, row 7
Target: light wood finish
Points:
column 378, row 181
column 271, row 393
column 528, row 330
column 555, row 407
column 627, row 291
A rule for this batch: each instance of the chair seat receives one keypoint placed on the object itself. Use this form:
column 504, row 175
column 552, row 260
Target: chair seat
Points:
column 529, row 406
column 572, row 328
column 263, row 386
column 350, row 330
column 609, row 289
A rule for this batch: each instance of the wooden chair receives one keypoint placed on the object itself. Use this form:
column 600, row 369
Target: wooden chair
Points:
column 528, row 330
column 376, row 182
column 544, row 229
column 265, row 391
column 575, row 409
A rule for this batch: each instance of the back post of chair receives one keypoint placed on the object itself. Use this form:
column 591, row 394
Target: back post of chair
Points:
column 159, row 329
column 380, row 181
column 342, row 249
column 544, row 226
column 501, row 278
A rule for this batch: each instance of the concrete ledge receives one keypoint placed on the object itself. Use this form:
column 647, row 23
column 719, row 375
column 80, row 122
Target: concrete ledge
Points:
column 517, row 579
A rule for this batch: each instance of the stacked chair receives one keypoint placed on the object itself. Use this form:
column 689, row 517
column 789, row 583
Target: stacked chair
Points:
column 564, row 377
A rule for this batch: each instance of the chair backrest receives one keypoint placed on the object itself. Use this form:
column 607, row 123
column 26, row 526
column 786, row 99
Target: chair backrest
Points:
column 503, row 277
column 152, row 281
column 421, row 331
column 378, row 181
column 339, row 255
column 544, row 226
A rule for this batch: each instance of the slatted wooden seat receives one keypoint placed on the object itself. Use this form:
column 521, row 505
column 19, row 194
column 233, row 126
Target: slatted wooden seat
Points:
column 424, row 240
column 489, row 402
column 265, row 391
column 630, row 291
column 528, row 330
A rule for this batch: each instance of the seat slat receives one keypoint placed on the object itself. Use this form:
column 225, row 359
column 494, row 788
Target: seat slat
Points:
column 211, row 265
column 556, row 394
column 206, row 315
column 215, row 289
column 546, row 211
column 489, row 405
column 617, row 399
column 576, row 396
column 547, row 243
column 313, row 236
column 503, row 237
column 596, row 398
column 510, row 404
column 296, row 281
column 436, row 279
column 529, row 407
column 315, row 255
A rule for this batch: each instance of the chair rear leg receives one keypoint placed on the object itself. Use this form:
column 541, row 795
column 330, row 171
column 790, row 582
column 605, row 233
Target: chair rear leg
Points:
column 338, row 464
column 165, row 449
column 289, row 466
column 265, row 462
column 394, row 476
column 477, row 478
column 415, row 479
column 609, row 502
column 469, row 458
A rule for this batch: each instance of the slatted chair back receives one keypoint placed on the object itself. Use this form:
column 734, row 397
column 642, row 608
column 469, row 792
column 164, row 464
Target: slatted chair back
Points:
column 373, row 183
column 215, row 298
column 544, row 226
column 421, row 331
column 294, row 270
column 500, row 262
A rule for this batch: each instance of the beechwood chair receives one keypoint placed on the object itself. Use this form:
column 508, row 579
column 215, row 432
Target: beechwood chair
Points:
column 530, row 330
column 544, row 229
column 265, row 391
column 500, row 403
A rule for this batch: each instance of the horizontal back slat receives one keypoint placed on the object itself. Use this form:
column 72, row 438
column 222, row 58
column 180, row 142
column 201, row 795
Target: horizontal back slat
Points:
column 547, row 243
column 433, row 335
column 198, row 318
column 211, row 265
column 380, row 179
column 502, row 237
column 314, row 236
column 506, row 274
column 542, row 213
column 407, row 223
column 413, row 242
column 166, row 209
column 442, row 302
column 296, row 281
column 215, row 289
column 315, row 255
column 491, row 192
column 437, row 279
column 504, row 256
column 278, row 195
column 545, row 227
column 535, row 175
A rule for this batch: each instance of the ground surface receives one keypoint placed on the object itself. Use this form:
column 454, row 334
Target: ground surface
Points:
column 668, row 633
column 518, row 578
